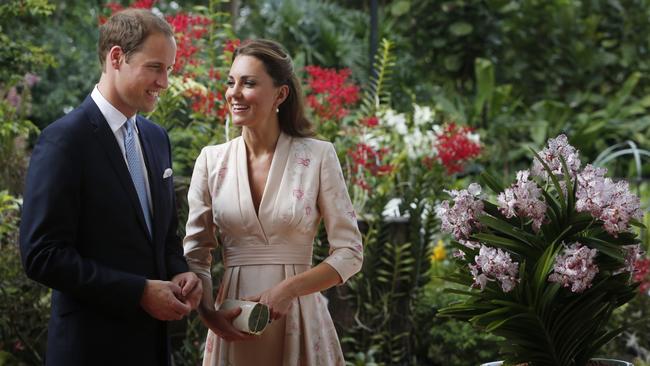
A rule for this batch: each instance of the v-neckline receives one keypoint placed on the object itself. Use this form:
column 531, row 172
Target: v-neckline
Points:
column 266, row 182
column 276, row 167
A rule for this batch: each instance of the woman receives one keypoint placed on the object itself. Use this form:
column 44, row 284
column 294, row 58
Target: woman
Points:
column 263, row 195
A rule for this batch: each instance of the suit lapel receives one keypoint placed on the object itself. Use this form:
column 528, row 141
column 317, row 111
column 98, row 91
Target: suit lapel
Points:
column 104, row 134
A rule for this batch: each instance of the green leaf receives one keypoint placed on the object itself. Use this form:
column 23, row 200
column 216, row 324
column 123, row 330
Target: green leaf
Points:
column 452, row 62
column 637, row 223
column 604, row 247
column 460, row 29
column 503, row 243
column 492, row 182
column 507, row 229
column 542, row 269
column 484, row 71
column 400, row 8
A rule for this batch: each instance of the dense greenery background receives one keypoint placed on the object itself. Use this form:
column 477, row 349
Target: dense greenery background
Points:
column 517, row 71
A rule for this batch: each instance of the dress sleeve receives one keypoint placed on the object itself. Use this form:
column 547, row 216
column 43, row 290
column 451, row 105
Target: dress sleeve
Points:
column 346, row 250
column 200, row 231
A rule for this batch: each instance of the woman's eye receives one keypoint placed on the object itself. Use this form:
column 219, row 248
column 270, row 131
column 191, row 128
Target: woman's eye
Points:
column 230, row 83
column 249, row 83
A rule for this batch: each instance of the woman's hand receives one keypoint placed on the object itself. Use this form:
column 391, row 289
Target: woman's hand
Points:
column 220, row 322
column 277, row 298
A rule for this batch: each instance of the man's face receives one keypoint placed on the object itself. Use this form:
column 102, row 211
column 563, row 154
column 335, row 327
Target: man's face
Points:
column 139, row 81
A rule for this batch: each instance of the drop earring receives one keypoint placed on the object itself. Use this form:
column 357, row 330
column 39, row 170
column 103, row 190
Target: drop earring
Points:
column 277, row 110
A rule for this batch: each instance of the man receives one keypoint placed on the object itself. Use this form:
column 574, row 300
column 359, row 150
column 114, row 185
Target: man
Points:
column 99, row 217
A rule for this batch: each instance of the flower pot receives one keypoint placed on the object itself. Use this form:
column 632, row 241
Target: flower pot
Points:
column 593, row 362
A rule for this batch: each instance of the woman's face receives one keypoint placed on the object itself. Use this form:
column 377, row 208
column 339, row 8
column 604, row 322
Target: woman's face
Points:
column 251, row 94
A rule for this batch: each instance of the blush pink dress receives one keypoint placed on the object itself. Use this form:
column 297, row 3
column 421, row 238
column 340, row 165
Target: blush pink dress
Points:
column 305, row 183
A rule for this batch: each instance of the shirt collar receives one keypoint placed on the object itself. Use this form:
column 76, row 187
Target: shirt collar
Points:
column 114, row 117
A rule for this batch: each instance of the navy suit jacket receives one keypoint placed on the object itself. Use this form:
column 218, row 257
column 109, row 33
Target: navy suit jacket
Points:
column 83, row 234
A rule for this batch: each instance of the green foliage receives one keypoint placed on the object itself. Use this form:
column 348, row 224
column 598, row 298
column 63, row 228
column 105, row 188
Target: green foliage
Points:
column 72, row 34
column 377, row 91
column 188, row 341
column 14, row 130
column 19, row 55
column 24, row 305
column 313, row 31
column 450, row 342
column 634, row 318
column 20, row 59
column 191, row 123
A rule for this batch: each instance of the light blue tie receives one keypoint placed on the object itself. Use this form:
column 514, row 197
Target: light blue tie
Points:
column 136, row 168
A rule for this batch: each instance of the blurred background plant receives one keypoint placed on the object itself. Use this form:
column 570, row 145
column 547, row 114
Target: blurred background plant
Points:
column 24, row 305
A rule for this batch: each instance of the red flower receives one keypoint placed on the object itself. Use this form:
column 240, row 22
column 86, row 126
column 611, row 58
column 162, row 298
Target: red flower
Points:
column 330, row 92
column 188, row 29
column 115, row 7
column 143, row 4
column 642, row 274
column 455, row 147
column 369, row 159
column 371, row 121
column 231, row 44
column 19, row 346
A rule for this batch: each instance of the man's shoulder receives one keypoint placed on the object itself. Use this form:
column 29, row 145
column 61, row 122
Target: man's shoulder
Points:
column 71, row 124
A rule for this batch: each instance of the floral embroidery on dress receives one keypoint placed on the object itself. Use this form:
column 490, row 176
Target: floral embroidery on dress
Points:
column 209, row 343
column 303, row 201
column 302, row 161
column 222, row 172
column 302, row 155
column 220, row 161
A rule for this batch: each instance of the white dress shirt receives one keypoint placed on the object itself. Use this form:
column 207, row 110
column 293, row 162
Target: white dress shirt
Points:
column 116, row 121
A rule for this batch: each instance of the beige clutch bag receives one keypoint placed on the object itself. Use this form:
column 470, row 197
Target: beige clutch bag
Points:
column 254, row 317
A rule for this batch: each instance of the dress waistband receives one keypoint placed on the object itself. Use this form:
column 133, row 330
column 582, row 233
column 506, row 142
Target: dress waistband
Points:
column 245, row 255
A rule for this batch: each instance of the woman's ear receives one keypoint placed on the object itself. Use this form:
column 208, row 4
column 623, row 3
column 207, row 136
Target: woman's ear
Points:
column 282, row 95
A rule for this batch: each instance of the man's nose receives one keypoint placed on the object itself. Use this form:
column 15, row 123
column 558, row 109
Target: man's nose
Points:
column 163, row 80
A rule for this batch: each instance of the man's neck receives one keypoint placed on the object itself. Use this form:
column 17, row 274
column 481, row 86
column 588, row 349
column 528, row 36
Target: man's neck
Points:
column 108, row 91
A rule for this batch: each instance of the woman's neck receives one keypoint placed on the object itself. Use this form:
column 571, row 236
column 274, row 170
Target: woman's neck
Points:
column 260, row 142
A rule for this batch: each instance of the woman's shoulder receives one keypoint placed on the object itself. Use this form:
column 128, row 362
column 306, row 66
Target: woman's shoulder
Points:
column 314, row 144
column 219, row 149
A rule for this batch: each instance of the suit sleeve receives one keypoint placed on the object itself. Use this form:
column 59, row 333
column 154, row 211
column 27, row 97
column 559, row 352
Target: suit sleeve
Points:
column 49, row 226
column 173, row 246
column 346, row 250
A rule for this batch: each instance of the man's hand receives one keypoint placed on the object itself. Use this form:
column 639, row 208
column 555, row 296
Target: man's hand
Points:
column 191, row 288
column 160, row 300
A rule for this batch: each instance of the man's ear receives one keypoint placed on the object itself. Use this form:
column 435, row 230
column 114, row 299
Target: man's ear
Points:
column 115, row 57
